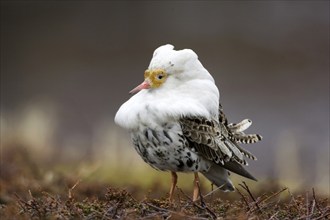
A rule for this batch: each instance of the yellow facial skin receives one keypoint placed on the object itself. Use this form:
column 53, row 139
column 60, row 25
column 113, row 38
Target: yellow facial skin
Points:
column 155, row 77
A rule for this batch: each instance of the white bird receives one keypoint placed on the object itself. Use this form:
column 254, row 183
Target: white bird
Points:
column 177, row 124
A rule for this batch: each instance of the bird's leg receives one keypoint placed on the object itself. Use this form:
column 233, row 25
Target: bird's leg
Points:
column 174, row 181
column 196, row 187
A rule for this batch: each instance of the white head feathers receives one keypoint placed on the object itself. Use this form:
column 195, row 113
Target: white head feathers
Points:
column 178, row 61
column 188, row 90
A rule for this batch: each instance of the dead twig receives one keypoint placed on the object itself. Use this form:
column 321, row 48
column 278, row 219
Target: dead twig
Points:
column 213, row 215
column 268, row 198
column 70, row 194
column 21, row 202
column 210, row 193
column 323, row 216
column 30, row 194
column 27, row 206
column 159, row 209
column 246, row 202
column 183, row 193
column 249, row 192
column 117, row 206
column 273, row 195
column 312, row 210
column 294, row 201
column 273, row 216
column 214, row 190
column 316, row 204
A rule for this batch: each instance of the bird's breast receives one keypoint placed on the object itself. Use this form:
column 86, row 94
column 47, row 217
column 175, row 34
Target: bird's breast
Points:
column 157, row 106
column 165, row 148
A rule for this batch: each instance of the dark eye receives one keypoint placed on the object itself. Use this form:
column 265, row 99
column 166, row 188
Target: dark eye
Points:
column 160, row 76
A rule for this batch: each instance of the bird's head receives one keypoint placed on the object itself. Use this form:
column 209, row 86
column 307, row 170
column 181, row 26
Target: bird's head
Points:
column 152, row 79
column 172, row 67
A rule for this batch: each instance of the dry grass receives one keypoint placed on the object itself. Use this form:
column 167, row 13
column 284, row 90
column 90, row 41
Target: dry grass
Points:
column 118, row 203
column 27, row 194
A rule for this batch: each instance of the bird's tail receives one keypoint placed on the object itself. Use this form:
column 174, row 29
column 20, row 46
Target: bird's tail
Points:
column 219, row 176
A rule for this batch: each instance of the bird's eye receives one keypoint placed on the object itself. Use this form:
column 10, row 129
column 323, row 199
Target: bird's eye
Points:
column 160, row 76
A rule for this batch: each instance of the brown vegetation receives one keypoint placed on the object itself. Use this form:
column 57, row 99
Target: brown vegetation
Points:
column 26, row 194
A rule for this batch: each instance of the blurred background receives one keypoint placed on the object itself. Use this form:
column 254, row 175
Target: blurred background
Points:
column 67, row 66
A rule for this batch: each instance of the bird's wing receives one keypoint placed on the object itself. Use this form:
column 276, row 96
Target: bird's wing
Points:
column 216, row 142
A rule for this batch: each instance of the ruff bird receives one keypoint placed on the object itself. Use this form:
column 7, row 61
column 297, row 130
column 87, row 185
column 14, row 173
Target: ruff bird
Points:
column 177, row 123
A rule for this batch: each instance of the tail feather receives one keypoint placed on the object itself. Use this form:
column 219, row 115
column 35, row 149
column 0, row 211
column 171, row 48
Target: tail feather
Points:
column 219, row 176
column 238, row 169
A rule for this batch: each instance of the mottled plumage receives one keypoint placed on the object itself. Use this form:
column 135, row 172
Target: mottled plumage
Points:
column 177, row 124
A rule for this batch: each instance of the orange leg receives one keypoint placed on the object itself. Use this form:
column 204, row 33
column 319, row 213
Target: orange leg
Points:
column 196, row 187
column 174, row 181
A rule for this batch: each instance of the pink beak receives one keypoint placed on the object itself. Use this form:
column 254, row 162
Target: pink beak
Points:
column 144, row 85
